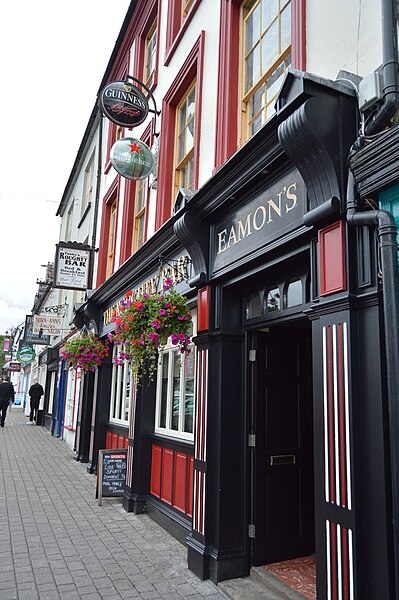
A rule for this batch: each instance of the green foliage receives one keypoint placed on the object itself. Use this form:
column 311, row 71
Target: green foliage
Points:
column 145, row 323
column 85, row 352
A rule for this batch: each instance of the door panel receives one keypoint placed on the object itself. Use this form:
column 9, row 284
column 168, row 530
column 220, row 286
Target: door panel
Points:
column 283, row 456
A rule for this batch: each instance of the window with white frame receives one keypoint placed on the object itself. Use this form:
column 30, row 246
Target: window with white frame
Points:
column 174, row 415
column 120, row 391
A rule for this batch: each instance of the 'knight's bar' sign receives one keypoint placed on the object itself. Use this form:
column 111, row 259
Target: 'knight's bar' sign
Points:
column 261, row 219
column 72, row 266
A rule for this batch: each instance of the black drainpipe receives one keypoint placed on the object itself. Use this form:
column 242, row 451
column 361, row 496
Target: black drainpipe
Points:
column 98, row 188
column 389, row 69
column 386, row 230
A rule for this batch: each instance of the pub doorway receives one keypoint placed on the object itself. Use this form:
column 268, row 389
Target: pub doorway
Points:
column 282, row 520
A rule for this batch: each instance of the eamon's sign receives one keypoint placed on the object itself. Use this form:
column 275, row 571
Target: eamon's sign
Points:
column 259, row 220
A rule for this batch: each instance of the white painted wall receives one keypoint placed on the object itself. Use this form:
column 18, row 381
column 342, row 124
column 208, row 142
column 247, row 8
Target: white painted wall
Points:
column 343, row 34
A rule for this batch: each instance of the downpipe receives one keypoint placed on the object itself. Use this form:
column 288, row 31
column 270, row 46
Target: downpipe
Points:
column 386, row 231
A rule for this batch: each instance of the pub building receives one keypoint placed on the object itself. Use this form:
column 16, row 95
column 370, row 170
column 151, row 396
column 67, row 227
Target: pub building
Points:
column 287, row 452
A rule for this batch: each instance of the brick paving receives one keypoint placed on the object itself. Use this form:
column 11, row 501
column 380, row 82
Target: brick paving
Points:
column 57, row 543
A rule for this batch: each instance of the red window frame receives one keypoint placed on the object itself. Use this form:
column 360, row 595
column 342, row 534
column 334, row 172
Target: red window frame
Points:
column 228, row 97
column 190, row 70
column 175, row 28
column 111, row 196
column 129, row 204
column 147, row 18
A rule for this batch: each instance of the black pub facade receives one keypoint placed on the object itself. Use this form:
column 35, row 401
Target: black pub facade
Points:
column 290, row 454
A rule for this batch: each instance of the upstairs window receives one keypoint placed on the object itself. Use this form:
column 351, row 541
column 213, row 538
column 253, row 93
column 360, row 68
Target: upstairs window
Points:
column 185, row 139
column 139, row 214
column 111, row 240
column 266, row 56
column 150, row 55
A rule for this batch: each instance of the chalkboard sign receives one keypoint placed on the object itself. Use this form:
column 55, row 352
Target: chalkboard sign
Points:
column 111, row 473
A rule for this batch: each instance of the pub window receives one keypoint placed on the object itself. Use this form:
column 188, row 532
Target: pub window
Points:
column 120, row 390
column 266, row 57
column 253, row 306
column 185, row 140
column 174, row 414
column 294, row 293
column 272, row 301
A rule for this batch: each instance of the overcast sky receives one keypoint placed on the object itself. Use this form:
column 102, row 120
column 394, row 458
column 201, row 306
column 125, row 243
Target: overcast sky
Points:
column 53, row 57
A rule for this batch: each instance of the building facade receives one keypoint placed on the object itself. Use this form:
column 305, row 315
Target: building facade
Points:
column 274, row 439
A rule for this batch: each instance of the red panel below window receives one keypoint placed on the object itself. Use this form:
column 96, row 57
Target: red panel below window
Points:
column 114, row 440
column 108, row 440
column 166, row 475
column 155, row 486
column 190, row 486
column 332, row 259
column 180, row 481
column 203, row 309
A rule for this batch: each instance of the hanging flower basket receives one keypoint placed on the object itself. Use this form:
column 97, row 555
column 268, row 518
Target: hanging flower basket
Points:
column 85, row 352
column 145, row 323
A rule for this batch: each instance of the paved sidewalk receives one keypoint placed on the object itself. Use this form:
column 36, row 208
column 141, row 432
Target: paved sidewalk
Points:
column 57, row 543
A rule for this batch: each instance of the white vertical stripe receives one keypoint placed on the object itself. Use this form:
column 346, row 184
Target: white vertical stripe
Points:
column 205, row 405
column 203, row 503
column 350, row 552
column 347, row 432
column 336, row 415
column 199, row 407
column 195, row 502
column 339, row 562
column 325, row 397
column 328, row 559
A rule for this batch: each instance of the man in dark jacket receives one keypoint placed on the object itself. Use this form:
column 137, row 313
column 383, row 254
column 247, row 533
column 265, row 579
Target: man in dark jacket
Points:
column 35, row 392
column 6, row 396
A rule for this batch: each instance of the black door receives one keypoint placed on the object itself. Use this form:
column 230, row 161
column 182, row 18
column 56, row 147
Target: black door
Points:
column 283, row 491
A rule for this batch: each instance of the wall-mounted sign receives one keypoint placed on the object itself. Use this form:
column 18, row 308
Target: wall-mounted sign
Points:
column 26, row 355
column 124, row 104
column 72, row 267
column 261, row 218
column 15, row 367
column 132, row 158
column 34, row 338
column 48, row 324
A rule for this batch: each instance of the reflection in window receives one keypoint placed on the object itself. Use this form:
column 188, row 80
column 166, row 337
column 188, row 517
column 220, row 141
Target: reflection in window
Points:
column 253, row 306
column 175, row 392
column 120, row 390
column 272, row 300
column 294, row 293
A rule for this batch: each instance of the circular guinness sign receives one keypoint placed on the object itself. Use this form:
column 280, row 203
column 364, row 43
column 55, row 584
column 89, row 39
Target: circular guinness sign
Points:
column 132, row 158
column 124, row 104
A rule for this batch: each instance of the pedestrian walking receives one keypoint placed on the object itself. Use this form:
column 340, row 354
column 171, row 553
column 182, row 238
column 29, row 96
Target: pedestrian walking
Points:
column 35, row 392
column 6, row 397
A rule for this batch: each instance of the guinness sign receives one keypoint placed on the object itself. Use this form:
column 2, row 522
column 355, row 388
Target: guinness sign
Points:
column 124, row 104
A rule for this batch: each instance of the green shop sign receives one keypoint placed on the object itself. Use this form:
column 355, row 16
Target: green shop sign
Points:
column 26, row 355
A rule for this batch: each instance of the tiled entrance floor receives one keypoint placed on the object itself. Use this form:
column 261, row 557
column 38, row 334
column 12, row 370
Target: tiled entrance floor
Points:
column 299, row 574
